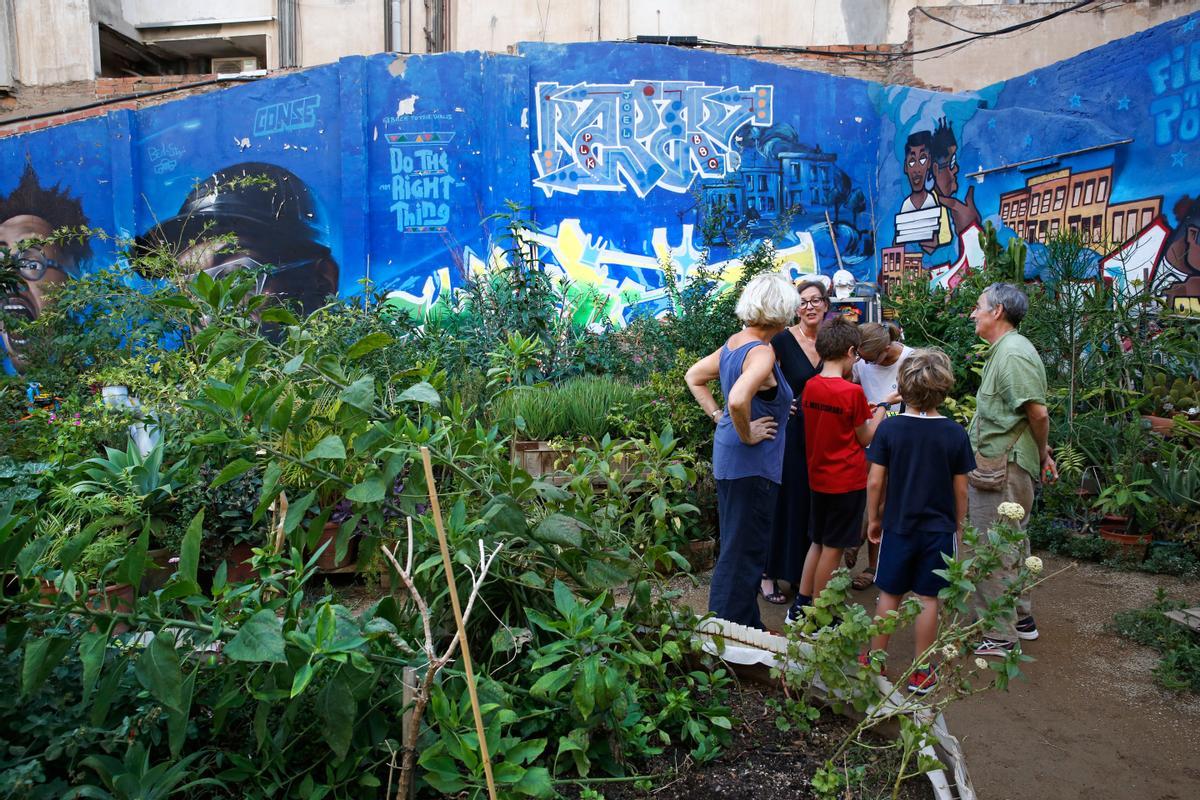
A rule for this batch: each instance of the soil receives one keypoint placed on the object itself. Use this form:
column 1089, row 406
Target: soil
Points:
column 1086, row 720
column 762, row 763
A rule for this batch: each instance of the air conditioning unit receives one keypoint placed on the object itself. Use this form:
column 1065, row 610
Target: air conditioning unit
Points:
column 234, row 66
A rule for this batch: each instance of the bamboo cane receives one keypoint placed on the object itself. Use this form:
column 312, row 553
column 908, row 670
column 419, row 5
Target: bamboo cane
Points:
column 458, row 620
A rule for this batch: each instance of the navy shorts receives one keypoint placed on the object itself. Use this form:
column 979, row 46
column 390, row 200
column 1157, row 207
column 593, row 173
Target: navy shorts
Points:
column 906, row 563
column 835, row 520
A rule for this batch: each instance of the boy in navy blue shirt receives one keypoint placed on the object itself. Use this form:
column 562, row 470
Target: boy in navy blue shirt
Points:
column 917, row 499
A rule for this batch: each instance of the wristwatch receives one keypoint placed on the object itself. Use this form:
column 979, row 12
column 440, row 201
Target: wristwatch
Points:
column 885, row 406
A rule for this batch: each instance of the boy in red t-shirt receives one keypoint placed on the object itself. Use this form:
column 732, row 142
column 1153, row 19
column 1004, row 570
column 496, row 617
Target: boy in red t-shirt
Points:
column 838, row 425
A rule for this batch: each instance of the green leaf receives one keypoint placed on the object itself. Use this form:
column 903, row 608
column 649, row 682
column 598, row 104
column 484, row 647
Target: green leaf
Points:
column 561, row 530
column 525, row 751
column 177, row 721
column 369, row 491
column 158, row 670
column 504, row 515
column 337, row 709
column 41, row 657
column 293, row 364
column 259, row 639
column 535, row 783
column 133, row 565
column 279, row 314
column 297, row 510
column 303, row 677
column 234, row 470
column 360, row 394
column 550, row 684
column 421, row 393
column 369, row 343
column 189, row 550
column 91, row 656
column 329, row 447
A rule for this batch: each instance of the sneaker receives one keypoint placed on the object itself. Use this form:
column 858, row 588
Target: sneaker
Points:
column 1027, row 629
column 922, row 681
column 796, row 612
column 994, row 647
column 865, row 660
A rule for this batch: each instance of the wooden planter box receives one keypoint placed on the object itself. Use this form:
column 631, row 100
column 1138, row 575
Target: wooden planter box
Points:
column 546, row 462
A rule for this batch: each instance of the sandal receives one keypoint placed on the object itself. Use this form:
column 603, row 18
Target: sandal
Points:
column 775, row 597
column 851, row 557
column 863, row 579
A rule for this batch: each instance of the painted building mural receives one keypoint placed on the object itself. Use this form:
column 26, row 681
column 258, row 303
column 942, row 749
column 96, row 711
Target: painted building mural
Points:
column 1103, row 145
column 629, row 159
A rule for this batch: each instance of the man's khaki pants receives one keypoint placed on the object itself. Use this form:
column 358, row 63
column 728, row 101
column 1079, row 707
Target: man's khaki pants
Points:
column 981, row 512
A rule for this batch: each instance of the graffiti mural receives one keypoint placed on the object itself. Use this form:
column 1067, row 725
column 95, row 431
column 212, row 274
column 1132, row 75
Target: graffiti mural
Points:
column 30, row 211
column 1100, row 146
column 641, row 135
column 253, row 216
column 932, row 217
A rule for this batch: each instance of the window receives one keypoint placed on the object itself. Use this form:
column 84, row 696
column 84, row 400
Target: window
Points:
column 762, row 183
column 795, row 172
column 1118, row 223
column 1088, row 188
column 750, row 182
column 770, row 204
column 1043, row 226
column 1033, row 202
column 1045, row 201
column 1131, row 225
column 1054, row 227
column 1076, row 194
column 1102, row 190
column 1004, row 211
column 1147, row 216
column 1085, row 229
column 1097, row 228
column 1073, row 222
column 1060, row 195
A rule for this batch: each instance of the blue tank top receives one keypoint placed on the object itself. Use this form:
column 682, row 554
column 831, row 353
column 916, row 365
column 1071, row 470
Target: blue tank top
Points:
column 732, row 458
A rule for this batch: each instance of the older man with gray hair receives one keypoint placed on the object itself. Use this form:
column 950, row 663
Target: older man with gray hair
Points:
column 1010, row 436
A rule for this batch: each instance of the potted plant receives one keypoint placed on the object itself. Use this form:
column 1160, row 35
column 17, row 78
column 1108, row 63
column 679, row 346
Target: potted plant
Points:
column 1170, row 400
column 1127, row 506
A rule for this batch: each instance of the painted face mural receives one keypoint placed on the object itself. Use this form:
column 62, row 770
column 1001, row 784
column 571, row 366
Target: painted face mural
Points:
column 916, row 164
column 254, row 216
column 1180, row 266
column 32, row 212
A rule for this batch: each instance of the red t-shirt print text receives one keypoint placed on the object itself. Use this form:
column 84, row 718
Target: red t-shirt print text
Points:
column 833, row 408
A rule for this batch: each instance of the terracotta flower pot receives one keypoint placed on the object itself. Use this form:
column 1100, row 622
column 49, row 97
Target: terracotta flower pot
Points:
column 237, row 566
column 1163, row 426
column 701, row 554
column 1115, row 529
column 328, row 562
column 113, row 598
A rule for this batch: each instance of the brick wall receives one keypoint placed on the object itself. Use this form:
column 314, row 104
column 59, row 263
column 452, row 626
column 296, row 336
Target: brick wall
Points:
column 40, row 100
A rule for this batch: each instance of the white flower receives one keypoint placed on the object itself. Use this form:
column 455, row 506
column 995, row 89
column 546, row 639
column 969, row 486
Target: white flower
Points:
column 1033, row 564
column 949, row 652
column 1013, row 511
column 979, row 662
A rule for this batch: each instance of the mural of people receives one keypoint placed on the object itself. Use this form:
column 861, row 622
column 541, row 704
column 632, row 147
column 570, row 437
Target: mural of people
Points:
column 254, row 216
column 32, row 211
column 1180, row 265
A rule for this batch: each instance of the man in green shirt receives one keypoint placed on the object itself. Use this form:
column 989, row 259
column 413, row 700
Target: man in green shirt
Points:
column 1010, row 418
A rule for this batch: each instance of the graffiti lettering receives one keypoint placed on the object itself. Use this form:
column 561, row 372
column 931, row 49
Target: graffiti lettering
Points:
column 421, row 186
column 293, row 115
column 643, row 134
column 1176, row 115
column 165, row 157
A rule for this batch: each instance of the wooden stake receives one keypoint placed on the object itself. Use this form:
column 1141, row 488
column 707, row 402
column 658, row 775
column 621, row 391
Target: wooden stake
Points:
column 458, row 620
column 833, row 238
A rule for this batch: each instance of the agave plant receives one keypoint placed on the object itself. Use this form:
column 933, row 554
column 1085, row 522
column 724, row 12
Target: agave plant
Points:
column 130, row 475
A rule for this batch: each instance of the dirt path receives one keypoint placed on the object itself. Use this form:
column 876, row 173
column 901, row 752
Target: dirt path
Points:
column 1087, row 721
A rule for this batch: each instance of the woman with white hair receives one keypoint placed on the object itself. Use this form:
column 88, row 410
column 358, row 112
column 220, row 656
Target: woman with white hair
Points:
column 748, row 444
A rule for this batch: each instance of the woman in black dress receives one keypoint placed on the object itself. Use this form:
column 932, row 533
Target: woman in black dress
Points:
column 796, row 349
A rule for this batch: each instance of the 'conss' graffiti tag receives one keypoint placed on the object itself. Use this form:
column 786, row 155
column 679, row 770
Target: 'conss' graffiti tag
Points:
column 1175, row 78
column 293, row 115
column 642, row 134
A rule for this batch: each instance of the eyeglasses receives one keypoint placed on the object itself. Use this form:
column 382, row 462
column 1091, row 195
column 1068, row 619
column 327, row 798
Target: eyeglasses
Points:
column 286, row 281
column 32, row 262
column 811, row 303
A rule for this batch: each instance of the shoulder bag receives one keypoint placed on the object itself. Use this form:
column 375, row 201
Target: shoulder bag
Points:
column 991, row 472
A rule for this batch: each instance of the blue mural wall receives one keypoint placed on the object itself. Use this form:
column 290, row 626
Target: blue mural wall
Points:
column 1104, row 144
column 629, row 159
